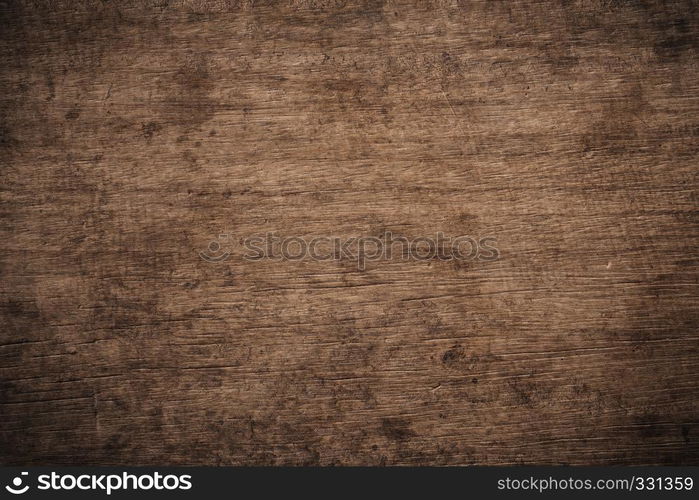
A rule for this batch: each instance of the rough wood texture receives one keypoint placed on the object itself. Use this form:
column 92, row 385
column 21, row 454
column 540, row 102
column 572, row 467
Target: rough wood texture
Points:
column 132, row 133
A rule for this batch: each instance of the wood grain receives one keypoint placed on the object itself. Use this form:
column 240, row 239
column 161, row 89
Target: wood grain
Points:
column 133, row 133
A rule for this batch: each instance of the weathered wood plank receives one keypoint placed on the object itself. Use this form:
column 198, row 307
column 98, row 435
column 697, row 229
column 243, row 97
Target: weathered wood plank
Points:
column 133, row 133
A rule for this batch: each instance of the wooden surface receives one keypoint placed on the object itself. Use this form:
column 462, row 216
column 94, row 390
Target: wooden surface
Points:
column 133, row 133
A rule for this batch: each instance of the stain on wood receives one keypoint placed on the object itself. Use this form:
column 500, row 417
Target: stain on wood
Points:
column 133, row 133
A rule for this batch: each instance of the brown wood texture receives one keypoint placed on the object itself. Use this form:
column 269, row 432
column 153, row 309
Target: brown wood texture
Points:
column 133, row 133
